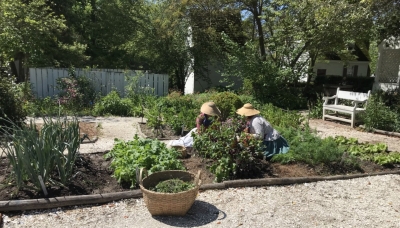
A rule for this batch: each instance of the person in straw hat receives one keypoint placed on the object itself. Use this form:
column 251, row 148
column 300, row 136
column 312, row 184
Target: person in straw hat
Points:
column 203, row 120
column 260, row 128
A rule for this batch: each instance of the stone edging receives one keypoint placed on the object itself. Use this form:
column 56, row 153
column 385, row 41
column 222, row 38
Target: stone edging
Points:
column 47, row 203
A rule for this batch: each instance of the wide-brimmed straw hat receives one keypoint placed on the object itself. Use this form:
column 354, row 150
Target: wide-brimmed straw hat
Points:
column 210, row 108
column 247, row 110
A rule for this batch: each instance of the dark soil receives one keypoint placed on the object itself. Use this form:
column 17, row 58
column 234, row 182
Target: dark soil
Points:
column 93, row 175
column 269, row 169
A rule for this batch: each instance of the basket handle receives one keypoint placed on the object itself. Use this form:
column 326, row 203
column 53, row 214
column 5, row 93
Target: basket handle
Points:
column 197, row 178
column 139, row 177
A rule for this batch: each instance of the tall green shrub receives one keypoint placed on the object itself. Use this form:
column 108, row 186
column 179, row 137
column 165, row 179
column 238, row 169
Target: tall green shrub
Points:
column 113, row 104
column 11, row 107
column 379, row 116
column 227, row 103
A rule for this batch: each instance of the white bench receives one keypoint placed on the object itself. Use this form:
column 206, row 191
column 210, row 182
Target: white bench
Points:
column 359, row 101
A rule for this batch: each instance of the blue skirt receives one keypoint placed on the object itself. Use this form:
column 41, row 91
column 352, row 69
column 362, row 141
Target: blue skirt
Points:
column 278, row 146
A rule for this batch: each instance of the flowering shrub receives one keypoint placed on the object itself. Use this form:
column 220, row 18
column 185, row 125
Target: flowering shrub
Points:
column 76, row 91
column 235, row 153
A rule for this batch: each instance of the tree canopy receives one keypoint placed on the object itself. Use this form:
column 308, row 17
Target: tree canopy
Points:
column 154, row 35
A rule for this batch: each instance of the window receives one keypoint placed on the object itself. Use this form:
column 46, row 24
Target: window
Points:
column 321, row 72
column 352, row 71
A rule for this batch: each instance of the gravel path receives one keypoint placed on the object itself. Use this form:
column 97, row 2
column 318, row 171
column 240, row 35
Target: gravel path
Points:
column 362, row 202
column 328, row 128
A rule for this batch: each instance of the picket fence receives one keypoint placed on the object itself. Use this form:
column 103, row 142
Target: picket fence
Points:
column 44, row 80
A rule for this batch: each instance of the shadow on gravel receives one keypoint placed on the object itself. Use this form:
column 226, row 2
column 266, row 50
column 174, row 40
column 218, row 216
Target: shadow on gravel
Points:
column 201, row 213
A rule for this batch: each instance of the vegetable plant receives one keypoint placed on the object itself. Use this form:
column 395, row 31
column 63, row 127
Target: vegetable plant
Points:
column 234, row 153
column 127, row 156
column 48, row 154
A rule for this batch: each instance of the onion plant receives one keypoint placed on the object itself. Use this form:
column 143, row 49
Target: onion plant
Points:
column 46, row 156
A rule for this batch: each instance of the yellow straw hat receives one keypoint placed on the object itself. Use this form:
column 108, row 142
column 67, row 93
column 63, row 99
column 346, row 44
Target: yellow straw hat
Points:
column 247, row 110
column 210, row 108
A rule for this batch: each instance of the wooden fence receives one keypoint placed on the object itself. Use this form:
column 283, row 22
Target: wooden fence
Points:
column 44, row 80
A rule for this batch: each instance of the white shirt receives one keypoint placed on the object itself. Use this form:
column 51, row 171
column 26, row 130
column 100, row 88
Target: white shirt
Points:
column 262, row 129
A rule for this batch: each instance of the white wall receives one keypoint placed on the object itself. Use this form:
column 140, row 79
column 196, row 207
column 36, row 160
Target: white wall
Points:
column 335, row 67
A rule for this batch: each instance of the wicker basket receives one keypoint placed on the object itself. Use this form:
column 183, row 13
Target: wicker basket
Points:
column 168, row 203
column 182, row 150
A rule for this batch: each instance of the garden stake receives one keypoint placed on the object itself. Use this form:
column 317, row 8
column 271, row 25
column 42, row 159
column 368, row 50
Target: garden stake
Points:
column 43, row 186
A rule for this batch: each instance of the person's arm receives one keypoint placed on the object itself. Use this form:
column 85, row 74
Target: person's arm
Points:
column 199, row 122
column 256, row 129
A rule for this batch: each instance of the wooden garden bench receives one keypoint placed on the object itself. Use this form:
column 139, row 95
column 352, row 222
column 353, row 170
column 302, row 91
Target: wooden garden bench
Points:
column 359, row 102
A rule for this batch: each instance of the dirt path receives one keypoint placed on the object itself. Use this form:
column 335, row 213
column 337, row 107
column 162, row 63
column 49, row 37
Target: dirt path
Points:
column 328, row 128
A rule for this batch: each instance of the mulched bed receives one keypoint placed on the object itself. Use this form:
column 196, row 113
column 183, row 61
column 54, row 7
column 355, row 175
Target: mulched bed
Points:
column 93, row 175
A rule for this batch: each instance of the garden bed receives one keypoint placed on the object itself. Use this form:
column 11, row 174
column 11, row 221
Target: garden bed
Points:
column 93, row 175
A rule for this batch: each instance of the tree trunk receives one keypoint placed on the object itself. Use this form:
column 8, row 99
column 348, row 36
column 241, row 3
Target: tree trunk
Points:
column 260, row 34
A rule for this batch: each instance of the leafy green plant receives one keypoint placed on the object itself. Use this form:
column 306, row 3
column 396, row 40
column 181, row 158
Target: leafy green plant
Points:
column 280, row 118
column 366, row 151
column 112, row 104
column 76, row 91
column 227, row 103
column 307, row 147
column 387, row 159
column 43, row 107
column 141, row 153
column 36, row 155
column 180, row 111
column 10, row 105
column 233, row 152
column 155, row 118
column 315, row 112
column 379, row 116
column 173, row 186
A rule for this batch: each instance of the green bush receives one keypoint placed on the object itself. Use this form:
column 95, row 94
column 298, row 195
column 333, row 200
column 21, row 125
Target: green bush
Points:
column 141, row 153
column 379, row 116
column 76, row 91
column 227, row 103
column 234, row 153
column 112, row 104
column 306, row 147
column 280, row 118
column 36, row 154
column 43, row 107
column 11, row 107
column 180, row 111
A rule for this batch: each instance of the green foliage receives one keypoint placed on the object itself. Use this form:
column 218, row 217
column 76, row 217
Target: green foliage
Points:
column 366, row 151
column 43, row 107
column 316, row 111
column 112, row 104
column 141, row 153
column 233, row 152
column 180, row 111
column 306, row 147
column 76, row 91
column 227, row 103
column 34, row 154
column 379, row 116
column 10, row 105
column 173, row 186
column 280, row 118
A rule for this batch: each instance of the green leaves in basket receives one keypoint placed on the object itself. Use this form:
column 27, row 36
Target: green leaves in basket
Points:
column 173, row 186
